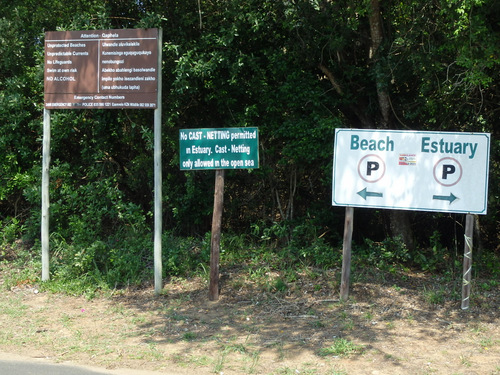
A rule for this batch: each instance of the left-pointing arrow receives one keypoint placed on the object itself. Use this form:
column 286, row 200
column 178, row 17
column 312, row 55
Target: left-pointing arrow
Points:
column 450, row 198
column 364, row 193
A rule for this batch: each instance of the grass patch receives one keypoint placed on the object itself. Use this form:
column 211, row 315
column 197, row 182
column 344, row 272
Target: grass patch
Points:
column 341, row 348
column 13, row 307
column 434, row 296
column 189, row 336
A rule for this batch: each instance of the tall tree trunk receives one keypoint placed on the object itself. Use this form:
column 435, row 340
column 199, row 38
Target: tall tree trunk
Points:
column 377, row 36
column 399, row 220
column 400, row 226
column 357, row 114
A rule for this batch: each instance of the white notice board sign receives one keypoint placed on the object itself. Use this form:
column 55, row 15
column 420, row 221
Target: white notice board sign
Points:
column 411, row 170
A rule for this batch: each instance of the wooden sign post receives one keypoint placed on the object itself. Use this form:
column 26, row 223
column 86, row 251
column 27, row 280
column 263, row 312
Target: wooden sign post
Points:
column 218, row 149
column 213, row 291
column 411, row 170
column 346, row 253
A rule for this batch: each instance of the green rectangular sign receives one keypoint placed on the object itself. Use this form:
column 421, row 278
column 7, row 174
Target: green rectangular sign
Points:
column 219, row 148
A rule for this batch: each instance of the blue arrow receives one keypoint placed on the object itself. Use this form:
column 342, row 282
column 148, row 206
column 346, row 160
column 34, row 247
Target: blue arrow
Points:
column 363, row 194
column 450, row 198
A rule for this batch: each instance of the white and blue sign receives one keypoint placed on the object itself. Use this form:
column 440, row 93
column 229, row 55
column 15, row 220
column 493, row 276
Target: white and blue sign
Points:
column 411, row 170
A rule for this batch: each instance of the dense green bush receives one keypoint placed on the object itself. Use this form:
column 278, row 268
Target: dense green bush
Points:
column 296, row 70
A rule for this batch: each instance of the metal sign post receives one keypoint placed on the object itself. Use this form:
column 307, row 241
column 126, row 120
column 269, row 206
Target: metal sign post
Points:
column 158, row 210
column 45, row 195
column 109, row 69
column 467, row 263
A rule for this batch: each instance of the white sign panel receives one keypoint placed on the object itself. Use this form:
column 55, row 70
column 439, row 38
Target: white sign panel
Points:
column 411, row 170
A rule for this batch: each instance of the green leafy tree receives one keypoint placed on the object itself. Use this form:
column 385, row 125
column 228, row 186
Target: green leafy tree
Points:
column 296, row 69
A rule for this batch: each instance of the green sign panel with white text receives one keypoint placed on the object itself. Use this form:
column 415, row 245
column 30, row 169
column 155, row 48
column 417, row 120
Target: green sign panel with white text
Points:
column 219, row 148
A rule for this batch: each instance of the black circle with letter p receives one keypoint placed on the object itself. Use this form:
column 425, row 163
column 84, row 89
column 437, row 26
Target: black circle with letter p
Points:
column 447, row 171
column 371, row 168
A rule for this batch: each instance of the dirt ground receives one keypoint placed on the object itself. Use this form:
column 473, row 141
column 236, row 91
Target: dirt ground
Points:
column 406, row 324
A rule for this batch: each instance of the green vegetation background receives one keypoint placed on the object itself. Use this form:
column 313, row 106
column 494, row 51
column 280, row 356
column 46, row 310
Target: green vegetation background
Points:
column 295, row 69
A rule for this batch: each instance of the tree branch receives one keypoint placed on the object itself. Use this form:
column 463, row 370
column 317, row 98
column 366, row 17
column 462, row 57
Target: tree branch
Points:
column 331, row 78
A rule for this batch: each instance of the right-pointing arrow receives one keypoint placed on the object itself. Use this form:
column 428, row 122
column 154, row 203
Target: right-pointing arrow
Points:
column 450, row 198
